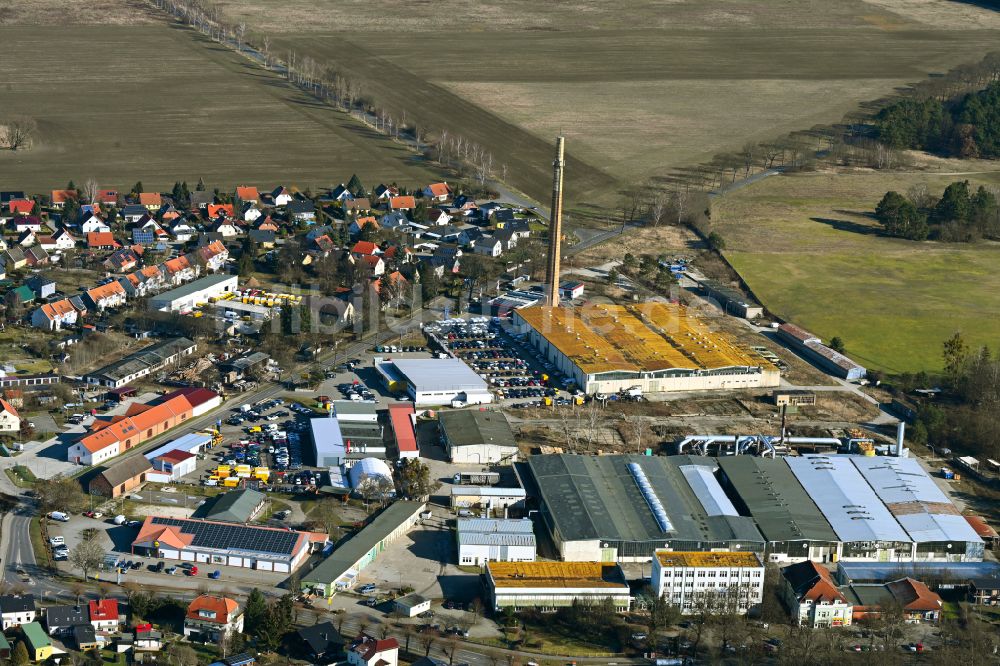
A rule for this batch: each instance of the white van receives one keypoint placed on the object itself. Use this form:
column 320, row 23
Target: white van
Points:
column 60, row 516
column 120, row 520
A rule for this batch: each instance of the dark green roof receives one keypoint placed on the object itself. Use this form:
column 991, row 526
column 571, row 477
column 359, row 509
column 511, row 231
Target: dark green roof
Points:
column 236, row 506
column 469, row 427
column 35, row 635
column 597, row 497
column 775, row 499
column 345, row 557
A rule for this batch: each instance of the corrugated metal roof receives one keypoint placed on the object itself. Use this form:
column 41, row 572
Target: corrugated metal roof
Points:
column 439, row 374
column 327, row 440
column 777, row 501
column 708, row 491
column 849, row 504
column 520, row 526
column 924, row 527
column 899, row 479
column 486, row 491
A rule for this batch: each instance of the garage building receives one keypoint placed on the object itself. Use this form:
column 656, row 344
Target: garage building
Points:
column 122, row 477
column 228, row 544
column 477, row 437
column 432, row 382
column 185, row 298
column 340, row 570
column 654, row 346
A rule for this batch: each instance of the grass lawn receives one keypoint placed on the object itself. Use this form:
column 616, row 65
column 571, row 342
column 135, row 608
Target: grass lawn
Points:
column 809, row 249
column 22, row 476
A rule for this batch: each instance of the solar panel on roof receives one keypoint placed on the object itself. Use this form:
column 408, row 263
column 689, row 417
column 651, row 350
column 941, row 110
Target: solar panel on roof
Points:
column 234, row 537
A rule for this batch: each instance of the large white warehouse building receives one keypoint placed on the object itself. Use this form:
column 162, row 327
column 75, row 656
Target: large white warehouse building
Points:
column 432, row 382
column 188, row 296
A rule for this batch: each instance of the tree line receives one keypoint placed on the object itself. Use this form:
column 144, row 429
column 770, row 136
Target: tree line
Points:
column 966, row 127
column 959, row 215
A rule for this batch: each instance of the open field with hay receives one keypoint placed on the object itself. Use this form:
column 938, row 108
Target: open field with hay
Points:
column 638, row 93
column 158, row 103
column 809, row 247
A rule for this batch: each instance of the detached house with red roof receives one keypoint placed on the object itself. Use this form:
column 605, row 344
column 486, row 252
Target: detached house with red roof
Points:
column 55, row 316
column 179, row 270
column 813, row 598
column 368, row 651
column 366, row 249
column 210, row 618
column 150, row 200
column 248, row 194
column 60, row 197
column 10, row 420
column 105, row 615
column 110, row 295
column 437, row 191
column 20, row 206
column 101, row 240
column 402, row 203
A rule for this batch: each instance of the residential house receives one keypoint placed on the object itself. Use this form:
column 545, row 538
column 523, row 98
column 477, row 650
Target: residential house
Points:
column 368, row 651
column 250, row 213
column 813, row 598
column 93, row 224
column 147, row 639
column 267, row 224
column 384, row 192
column 55, row 316
column 448, row 233
column 470, row 236
column 10, row 421
column 393, row 221
column 437, row 217
column 215, row 211
column 151, row 201
column 110, row 295
column 437, row 191
column 210, row 618
column 20, row 206
column 36, row 256
column 506, row 237
column 60, row 620
column 317, row 231
column 213, row 256
column 366, row 249
column 358, row 206
column 14, row 258
column 200, row 199
column 37, row 641
column 27, row 223
column 101, row 240
column 248, row 194
column 86, row 638
column 60, row 197
column 17, row 609
column 27, row 238
column 301, row 211
column 374, row 264
column 42, row 285
column 322, row 643
column 182, row 231
column 357, row 225
column 3, row 248
column 178, row 270
column 105, row 614
column 502, row 217
column 281, row 196
column 340, row 193
column 264, row 239
column 142, row 282
column 487, row 209
column 121, row 260
column 14, row 396
column 226, row 228
column 402, row 203
column 133, row 213
column 107, row 198
column 918, row 602
column 20, row 295
column 63, row 240
column 325, row 244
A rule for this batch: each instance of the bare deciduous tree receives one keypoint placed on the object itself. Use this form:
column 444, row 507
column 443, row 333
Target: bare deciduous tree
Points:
column 19, row 132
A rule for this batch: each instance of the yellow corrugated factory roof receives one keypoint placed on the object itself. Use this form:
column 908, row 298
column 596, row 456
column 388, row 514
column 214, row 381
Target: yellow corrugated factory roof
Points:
column 643, row 337
column 556, row 574
column 670, row 558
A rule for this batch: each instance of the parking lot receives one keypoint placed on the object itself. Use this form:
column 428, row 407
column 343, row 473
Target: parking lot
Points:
column 515, row 371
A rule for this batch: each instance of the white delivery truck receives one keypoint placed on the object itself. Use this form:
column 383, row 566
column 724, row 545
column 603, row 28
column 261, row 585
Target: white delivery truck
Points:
column 60, row 516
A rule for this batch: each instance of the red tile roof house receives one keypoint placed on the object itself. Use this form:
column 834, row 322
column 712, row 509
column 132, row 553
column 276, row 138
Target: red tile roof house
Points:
column 368, row 651
column 107, row 197
column 104, row 615
column 365, row 248
column 151, row 200
column 21, row 206
column 102, row 240
column 54, row 316
column 438, row 191
column 110, row 295
column 210, row 618
column 402, row 203
column 248, row 194
column 60, row 197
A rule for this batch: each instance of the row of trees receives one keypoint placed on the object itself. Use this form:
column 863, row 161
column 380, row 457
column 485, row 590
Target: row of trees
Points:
column 965, row 127
column 959, row 215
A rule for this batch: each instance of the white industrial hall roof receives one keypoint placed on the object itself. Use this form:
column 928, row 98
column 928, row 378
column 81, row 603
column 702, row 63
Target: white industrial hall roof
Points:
column 708, row 491
column 439, row 374
column 845, row 498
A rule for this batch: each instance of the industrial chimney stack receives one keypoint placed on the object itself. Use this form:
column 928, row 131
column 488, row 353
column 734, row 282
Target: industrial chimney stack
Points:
column 555, row 225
